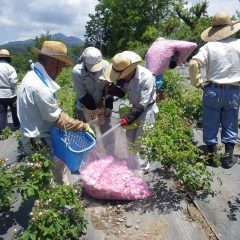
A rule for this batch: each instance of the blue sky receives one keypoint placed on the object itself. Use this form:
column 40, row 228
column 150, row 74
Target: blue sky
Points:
column 24, row 19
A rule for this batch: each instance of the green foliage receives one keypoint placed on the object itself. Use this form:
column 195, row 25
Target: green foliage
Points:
column 117, row 23
column 8, row 185
column 38, row 42
column 150, row 34
column 74, row 52
column 138, row 48
column 171, row 139
column 171, row 143
column 6, row 132
column 21, row 63
column 66, row 94
column 187, row 98
column 35, row 174
column 57, row 215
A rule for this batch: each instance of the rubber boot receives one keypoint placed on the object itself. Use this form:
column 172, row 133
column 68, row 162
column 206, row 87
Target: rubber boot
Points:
column 229, row 159
column 212, row 151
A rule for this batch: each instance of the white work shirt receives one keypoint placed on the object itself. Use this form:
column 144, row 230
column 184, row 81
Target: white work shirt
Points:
column 87, row 82
column 141, row 89
column 36, row 106
column 222, row 61
column 8, row 80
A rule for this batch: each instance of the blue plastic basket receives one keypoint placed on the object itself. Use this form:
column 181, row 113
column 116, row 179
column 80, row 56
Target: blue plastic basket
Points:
column 71, row 147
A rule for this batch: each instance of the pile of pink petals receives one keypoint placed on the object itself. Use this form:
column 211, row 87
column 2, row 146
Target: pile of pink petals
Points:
column 110, row 178
column 160, row 52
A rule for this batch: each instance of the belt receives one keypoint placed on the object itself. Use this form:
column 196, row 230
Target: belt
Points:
column 151, row 103
column 222, row 86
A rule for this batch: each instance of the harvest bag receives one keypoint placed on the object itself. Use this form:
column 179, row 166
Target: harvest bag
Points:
column 159, row 54
column 108, row 173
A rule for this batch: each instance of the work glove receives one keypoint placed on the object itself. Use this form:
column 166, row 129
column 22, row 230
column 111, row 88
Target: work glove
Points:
column 68, row 123
column 123, row 122
column 114, row 90
column 134, row 113
column 90, row 131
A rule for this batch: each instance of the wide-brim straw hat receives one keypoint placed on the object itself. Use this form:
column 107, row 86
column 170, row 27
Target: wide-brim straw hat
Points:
column 4, row 53
column 222, row 27
column 122, row 65
column 54, row 49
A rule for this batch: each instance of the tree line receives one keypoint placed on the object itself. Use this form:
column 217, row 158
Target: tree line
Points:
column 131, row 25
column 135, row 24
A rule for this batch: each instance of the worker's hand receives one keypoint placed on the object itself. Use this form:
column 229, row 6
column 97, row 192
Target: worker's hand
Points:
column 123, row 122
column 203, row 85
column 68, row 123
column 90, row 131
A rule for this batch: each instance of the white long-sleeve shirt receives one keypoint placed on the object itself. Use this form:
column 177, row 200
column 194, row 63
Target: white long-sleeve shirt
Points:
column 36, row 106
column 222, row 62
column 8, row 80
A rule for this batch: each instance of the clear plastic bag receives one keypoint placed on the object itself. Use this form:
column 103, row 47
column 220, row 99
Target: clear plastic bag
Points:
column 110, row 172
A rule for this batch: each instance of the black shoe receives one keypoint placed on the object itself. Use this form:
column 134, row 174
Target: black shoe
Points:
column 229, row 159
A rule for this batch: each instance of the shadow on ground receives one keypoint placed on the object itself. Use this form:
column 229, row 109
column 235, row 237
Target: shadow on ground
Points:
column 234, row 208
column 17, row 215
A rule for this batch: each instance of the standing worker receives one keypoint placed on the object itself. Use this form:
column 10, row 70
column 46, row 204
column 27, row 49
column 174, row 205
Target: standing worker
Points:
column 221, row 95
column 139, row 84
column 8, row 84
column 94, row 92
column 38, row 108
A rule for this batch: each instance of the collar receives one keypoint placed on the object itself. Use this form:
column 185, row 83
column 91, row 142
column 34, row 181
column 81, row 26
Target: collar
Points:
column 52, row 85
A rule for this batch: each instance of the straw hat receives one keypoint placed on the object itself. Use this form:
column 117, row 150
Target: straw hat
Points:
column 4, row 53
column 54, row 49
column 92, row 58
column 122, row 64
column 222, row 27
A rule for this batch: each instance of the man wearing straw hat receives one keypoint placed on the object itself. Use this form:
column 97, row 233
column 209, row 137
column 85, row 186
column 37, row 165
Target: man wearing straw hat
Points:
column 8, row 83
column 38, row 107
column 139, row 83
column 221, row 96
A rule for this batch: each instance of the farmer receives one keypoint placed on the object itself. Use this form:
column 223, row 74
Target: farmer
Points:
column 221, row 92
column 38, row 108
column 139, row 84
column 8, row 83
column 94, row 92
column 150, row 59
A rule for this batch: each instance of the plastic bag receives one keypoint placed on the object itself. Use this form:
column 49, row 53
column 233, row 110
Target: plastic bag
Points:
column 110, row 170
column 159, row 54
column 61, row 172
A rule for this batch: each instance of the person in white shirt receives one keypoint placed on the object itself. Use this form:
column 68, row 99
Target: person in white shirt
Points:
column 139, row 84
column 94, row 92
column 221, row 96
column 37, row 107
column 8, row 83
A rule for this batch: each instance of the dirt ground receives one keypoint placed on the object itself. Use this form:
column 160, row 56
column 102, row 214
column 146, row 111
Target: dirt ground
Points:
column 195, row 215
column 113, row 221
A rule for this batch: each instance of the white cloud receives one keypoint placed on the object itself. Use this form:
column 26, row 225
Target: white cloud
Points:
column 22, row 19
column 214, row 6
column 27, row 19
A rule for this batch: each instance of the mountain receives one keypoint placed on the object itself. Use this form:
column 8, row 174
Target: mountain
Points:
column 22, row 46
column 71, row 40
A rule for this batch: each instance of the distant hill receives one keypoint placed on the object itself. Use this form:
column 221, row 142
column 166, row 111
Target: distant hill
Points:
column 22, row 46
